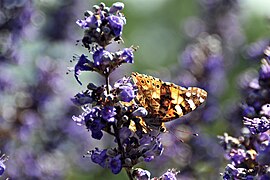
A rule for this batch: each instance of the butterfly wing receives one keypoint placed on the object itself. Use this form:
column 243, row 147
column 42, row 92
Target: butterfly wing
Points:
column 148, row 94
column 177, row 101
column 165, row 101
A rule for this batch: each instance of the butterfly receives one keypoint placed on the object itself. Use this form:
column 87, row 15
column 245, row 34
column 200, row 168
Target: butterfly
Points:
column 164, row 101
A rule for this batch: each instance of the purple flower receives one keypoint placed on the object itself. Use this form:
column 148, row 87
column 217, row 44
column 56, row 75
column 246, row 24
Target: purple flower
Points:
column 2, row 167
column 248, row 111
column 237, row 156
column 105, row 161
column 103, row 25
column 265, row 110
column 263, row 157
column 127, row 93
column 99, row 157
column 127, row 89
column 102, row 57
column 81, row 23
column 108, row 113
column 141, row 174
column 90, row 22
column 124, row 81
column 82, row 65
column 156, row 150
column 124, row 134
column 127, row 55
column 118, row 6
column 115, row 164
column 96, row 126
column 116, row 23
column 231, row 172
column 264, row 72
column 82, row 99
column 93, row 122
column 3, row 158
column 169, row 175
column 257, row 125
column 92, row 114
column 150, row 147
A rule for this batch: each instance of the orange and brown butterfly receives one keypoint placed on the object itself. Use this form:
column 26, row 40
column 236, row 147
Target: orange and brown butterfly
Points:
column 164, row 101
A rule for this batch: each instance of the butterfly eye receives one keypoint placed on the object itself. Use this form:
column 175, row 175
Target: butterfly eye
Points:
column 157, row 86
column 142, row 81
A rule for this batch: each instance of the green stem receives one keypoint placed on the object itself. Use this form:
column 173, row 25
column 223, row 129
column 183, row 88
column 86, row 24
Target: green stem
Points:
column 121, row 150
column 107, row 84
column 129, row 173
column 116, row 133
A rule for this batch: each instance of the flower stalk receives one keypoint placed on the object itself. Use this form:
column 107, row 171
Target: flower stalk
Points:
column 112, row 109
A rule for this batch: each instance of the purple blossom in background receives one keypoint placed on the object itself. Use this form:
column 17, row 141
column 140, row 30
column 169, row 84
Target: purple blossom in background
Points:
column 255, row 50
column 37, row 117
column 61, row 14
column 214, row 39
column 15, row 16
column 249, row 153
column 264, row 73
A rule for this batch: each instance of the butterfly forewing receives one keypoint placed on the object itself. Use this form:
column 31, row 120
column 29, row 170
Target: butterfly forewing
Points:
column 148, row 92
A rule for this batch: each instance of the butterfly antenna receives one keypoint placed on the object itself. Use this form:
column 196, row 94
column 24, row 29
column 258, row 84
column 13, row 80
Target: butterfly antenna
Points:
column 181, row 140
column 186, row 132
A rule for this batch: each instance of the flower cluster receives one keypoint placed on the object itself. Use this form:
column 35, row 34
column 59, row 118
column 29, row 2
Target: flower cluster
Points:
column 249, row 153
column 104, row 62
column 112, row 109
column 103, row 24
